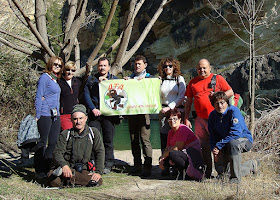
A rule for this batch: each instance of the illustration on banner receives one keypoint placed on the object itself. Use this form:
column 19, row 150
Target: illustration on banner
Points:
column 115, row 97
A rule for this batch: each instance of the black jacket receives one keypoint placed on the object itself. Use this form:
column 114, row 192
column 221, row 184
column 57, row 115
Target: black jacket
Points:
column 69, row 96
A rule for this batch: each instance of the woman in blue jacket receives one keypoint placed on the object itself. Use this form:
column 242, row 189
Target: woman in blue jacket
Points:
column 229, row 137
column 47, row 115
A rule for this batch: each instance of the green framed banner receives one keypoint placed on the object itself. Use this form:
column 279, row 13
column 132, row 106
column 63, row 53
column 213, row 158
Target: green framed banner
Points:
column 130, row 97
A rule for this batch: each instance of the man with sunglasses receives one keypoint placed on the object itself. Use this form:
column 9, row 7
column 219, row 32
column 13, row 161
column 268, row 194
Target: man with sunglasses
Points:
column 70, row 87
column 96, row 119
column 200, row 89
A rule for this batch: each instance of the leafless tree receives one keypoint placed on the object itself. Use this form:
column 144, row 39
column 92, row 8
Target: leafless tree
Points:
column 251, row 17
column 40, row 48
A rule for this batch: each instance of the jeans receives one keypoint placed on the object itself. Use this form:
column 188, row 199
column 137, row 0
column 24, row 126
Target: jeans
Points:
column 201, row 131
column 139, row 129
column 49, row 129
column 106, row 127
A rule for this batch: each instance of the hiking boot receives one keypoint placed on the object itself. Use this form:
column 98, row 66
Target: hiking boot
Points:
column 234, row 180
column 40, row 175
column 147, row 171
column 256, row 165
column 165, row 172
column 136, row 170
column 107, row 170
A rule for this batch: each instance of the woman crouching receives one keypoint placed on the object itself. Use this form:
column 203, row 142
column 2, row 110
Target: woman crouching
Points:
column 183, row 150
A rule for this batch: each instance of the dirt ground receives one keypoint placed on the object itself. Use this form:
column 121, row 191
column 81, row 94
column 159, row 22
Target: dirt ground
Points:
column 119, row 185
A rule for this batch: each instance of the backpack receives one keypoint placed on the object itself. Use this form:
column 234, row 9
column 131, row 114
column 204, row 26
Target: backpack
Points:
column 235, row 100
column 28, row 131
column 91, row 135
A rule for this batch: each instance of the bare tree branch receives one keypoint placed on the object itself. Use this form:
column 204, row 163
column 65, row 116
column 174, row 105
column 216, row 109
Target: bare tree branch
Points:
column 33, row 29
column 36, row 44
column 229, row 25
column 71, row 15
column 73, row 32
column 77, row 53
column 104, row 33
column 21, row 49
column 16, row 13
column 144, row 33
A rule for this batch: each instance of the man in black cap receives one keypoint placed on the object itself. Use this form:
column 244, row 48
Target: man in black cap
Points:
column 79, row 154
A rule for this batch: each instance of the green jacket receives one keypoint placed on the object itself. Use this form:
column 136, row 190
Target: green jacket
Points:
column 83, row 149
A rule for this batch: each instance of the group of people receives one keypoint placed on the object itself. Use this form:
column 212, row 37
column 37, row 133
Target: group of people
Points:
column 72, row 151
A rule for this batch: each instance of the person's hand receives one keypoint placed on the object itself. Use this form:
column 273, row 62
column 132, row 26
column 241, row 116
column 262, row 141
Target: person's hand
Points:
column 96, row 112
column 66, row 171
column 37, row 119
column 211, row 93
column 95, row 176
column 102, row 78
column 188, row 123
column 126, row 78
column 164, row 110
column 161, row 162
column 216, row 151
column 140, row 78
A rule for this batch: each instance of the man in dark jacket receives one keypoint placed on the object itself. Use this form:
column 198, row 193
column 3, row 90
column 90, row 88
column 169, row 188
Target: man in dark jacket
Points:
column 96, row 119
column 79, row 154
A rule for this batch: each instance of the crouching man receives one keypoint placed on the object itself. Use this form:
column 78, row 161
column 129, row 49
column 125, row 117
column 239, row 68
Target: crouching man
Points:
column 79, row 154
column 229, row 137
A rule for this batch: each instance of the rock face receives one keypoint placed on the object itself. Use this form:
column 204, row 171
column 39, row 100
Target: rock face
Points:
column 185, row 31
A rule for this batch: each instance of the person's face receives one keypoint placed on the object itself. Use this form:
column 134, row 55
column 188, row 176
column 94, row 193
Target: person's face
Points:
column 220, row 105
column 168, row 68
column 56, row 66
column 69, row 73
column 203, row 69
column 139, row 66
column 79, row 120
column 174, row 122
column 103, row 67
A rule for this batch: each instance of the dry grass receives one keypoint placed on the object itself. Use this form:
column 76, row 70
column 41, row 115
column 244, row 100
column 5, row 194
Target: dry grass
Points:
column 264, row 185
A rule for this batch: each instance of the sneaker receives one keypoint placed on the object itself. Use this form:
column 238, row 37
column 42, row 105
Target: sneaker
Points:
column 107, row 170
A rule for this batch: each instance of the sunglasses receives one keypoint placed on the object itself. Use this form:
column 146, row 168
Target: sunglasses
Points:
column 68, row 70
column 57, row 65
column 174, row 119
column 165, row 66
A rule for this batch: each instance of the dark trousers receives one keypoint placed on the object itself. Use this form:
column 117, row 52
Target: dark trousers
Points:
column 78, row 178
column 230, row 156
column 163, row 142
column 139, row 129
column 26, row 149
column 49, row 129
column 107, row 128
column 179, row 158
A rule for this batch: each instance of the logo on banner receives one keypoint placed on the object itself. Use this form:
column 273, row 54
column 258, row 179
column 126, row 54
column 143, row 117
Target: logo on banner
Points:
column 115, row 97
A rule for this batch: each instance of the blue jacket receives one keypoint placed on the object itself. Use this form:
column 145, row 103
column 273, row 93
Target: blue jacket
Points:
column 91, row 90
column 50, row 90
column 224, row 127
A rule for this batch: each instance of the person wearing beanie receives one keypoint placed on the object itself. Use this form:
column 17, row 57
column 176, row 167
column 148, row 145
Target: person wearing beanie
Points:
column 79, row 154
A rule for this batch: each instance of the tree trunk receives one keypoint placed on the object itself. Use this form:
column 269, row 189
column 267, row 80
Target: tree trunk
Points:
column 104, row 33
column 41, row 23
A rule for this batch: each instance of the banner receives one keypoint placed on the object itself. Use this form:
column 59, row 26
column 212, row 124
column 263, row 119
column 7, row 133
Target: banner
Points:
column 130, row 97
